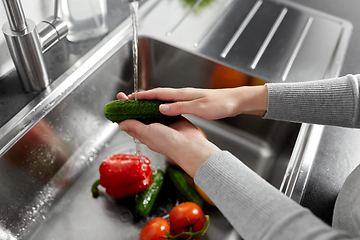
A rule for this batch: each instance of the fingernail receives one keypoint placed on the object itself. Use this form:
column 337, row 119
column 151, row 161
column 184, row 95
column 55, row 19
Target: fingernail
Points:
column 164, row 107
column 123, row 127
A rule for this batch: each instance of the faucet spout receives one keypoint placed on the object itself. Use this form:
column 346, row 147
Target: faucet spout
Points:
column 15, row 14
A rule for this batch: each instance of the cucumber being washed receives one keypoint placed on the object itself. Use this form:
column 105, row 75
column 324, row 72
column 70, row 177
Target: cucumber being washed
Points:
column 145, row 111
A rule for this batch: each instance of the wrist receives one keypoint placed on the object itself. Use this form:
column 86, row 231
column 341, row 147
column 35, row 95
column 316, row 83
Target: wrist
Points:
column 253, row 100
column 198, row 157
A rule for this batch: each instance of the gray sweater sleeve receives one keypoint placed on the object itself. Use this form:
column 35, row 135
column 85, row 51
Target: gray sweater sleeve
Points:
column 328, row 102
column 255, row 208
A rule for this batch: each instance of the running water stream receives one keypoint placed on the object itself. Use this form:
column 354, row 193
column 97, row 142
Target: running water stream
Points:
column 134, row 7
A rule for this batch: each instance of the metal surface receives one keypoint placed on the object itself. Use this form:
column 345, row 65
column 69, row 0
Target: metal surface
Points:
column 335, row 158
column 51, row 31
column 26, row 52
column 59, row 58
column 74, row 137
column 56, row 9
column 15, row 14
column 65, row 136
column 301, row 162
column 44, row 102
column 322, row 160
column 288, row 44
column 26, row 47
column 51, row 149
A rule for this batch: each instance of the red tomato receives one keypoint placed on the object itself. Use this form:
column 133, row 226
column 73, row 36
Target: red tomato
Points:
column 185, row 215
column 155, row 229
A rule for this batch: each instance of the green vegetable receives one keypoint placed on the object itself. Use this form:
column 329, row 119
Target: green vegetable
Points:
column 146, row 199
column 182, row 187
column 203, row 4
column 145, row 111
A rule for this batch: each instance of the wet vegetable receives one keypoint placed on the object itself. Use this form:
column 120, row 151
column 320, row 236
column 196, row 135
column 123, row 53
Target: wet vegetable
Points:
column 190, row 3
column 187, row 221
column 155, row 229
column 203, row 195
column 122, row 175
column 182, row 187
column 146, row 199
column 145, row 111
column 186, row 217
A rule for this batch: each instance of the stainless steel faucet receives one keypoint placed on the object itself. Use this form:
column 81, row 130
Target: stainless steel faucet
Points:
column 27, row 43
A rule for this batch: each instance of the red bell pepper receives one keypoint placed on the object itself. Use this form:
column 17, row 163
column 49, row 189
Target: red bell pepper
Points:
column 123, row 175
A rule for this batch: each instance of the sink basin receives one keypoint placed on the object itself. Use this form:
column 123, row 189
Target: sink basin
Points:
column 47, row 194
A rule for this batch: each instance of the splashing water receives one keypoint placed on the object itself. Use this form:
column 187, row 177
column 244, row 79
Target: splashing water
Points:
column 138, row 147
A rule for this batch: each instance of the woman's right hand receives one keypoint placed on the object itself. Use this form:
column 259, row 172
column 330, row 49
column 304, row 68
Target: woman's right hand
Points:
column 209, row 103
column 181, row 141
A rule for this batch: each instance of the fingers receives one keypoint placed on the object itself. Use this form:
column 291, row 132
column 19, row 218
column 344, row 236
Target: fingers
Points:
column 185, row 100
column 146, row 133
column 167, row 94
column 181, row 141
column 133, row 128
column 157, row 137
column 121, row 95
column 178, row 108
column 163, row 94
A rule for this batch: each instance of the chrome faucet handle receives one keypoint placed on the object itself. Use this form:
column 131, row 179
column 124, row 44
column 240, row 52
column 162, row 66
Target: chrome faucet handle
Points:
column 26, row 44
column 56, row 9
column 51, row 31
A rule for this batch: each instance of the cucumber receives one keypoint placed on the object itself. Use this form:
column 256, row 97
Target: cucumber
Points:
column 145, row 111
column 146, row 199
column 182, row 187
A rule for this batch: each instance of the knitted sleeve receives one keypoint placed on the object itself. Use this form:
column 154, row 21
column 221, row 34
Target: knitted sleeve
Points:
column 256, row 209
column 328, row 102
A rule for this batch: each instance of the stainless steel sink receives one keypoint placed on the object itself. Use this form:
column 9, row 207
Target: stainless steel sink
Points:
column 53, row 166
column 50, row 151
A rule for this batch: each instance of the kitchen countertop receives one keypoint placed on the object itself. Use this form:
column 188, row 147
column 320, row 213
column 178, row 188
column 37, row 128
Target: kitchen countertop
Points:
column 337, row 154
column 349, row 10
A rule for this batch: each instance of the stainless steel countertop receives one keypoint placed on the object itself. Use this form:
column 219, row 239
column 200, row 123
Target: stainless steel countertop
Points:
column 349, row 10
column 337, row 153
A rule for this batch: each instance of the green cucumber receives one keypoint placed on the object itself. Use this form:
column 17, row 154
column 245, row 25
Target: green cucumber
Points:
column 146, row 199
column 145, row 111
column 182, row 187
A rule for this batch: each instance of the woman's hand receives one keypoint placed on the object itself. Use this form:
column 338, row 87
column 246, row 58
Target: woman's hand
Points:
column 181, row 141
column 208, row 103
